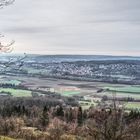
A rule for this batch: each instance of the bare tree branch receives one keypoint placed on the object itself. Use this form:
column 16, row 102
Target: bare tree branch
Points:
column 5, row 3
column 6, row 48
column 11, row 63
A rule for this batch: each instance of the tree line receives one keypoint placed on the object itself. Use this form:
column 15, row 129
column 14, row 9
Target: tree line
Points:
column 40, row 120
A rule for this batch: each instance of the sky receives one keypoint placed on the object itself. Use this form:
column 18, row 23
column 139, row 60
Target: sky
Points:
column 104, row 27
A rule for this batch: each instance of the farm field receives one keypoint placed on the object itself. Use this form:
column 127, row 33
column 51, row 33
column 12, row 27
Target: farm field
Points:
column 133, row 105
column 15, row 82
column 71, row 92
column 68, row 90
column 17, row 92
column 125, row 89
column 72, row 87
column 7, row 81
column 122, row 94
column 132, row 91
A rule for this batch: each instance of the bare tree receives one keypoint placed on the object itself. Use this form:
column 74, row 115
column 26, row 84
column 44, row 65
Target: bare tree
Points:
column 9, row 47
column 5, row 3
column 6, row 48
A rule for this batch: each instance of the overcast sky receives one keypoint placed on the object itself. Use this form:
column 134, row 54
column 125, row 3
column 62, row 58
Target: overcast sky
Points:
column 73, row 26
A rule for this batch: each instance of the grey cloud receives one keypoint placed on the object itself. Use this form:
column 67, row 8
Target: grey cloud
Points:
column 27, row 30
column 74, row 26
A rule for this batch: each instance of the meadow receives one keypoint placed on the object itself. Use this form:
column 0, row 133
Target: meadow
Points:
column 7, row 81
column 125, row 89
column 17, row 92
column 71, row 87
column 72, row 92
column 133, row 105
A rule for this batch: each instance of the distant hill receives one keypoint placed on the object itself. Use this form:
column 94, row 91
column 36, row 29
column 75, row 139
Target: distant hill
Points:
column 66, row 58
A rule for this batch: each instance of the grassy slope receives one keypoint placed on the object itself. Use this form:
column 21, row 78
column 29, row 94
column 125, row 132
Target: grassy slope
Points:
column 6, row 138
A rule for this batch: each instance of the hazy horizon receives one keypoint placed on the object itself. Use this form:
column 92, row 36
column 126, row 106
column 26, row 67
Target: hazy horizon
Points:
column 76, row 27
column 98, row 55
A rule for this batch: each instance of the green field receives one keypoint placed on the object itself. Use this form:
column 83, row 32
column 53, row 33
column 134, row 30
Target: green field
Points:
column 133, row 105
column 17, row 92
column 15, row 82
column 125, row 89
column 5, row 81
column 70, row 92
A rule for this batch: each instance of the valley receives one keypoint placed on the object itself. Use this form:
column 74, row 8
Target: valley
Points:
column 86, row 93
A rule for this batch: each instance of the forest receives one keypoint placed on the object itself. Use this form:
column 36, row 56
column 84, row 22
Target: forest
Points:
column 37, row 119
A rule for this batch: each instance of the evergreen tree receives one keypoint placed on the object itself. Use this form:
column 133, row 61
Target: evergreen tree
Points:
column 60, row 112
column 19, row 110
column 70, row 115
column 46, row 109
column 23, row 109
column 44, row 119
column 80, row 116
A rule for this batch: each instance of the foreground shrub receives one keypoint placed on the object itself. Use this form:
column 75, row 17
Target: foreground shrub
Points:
column 10, row 125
